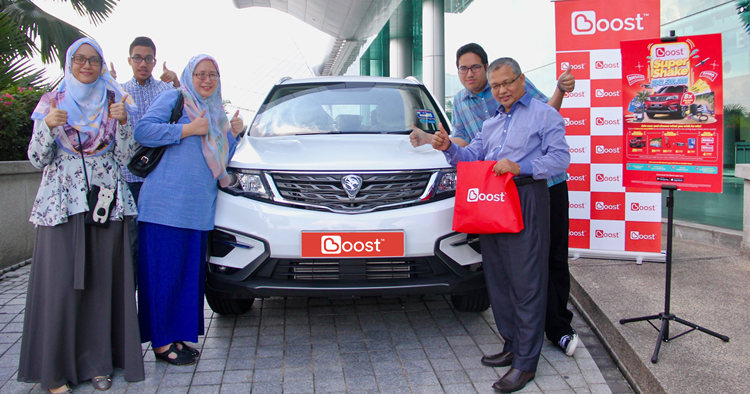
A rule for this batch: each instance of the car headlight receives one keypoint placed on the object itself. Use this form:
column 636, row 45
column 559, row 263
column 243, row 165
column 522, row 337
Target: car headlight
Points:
column 247, row 183
column 446, row 183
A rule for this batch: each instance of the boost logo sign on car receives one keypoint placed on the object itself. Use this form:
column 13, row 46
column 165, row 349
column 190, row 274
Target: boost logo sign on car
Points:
column 354, row 244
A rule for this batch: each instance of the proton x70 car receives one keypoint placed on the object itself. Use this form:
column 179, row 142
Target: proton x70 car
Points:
column 327, row 198
column 667, row 100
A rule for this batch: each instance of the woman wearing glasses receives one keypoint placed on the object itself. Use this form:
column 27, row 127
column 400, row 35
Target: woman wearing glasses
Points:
column 177, row 204
column 80, row 306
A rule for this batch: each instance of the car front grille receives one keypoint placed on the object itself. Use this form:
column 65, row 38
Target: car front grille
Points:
column 658, row 98
column 352, row 270
column 325, row 191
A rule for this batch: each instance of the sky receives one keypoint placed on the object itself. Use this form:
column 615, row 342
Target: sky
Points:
column 254, row 47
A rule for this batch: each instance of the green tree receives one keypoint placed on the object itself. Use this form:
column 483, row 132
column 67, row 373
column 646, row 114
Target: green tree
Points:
column 25, row 30
column 743, row 10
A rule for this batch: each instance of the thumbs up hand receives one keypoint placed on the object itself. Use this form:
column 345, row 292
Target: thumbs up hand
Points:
column 440, row 139
column 567, row 82
column 55, row 117
column 237, row 124
column 199, row 126
column 168, row 76
column 112, row 71
column 117, row 110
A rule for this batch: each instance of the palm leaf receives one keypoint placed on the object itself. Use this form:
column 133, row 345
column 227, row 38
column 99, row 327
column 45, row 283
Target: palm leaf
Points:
column 20, row 72
column 743, row 10
column 96, row 10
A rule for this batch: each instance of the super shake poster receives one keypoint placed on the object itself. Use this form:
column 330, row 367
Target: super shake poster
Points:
column 673, row 113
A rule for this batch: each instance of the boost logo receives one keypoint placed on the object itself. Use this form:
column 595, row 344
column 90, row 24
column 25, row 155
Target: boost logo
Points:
column 475, row 195
column 576, row 178
column 604, row 234
column 636, row 207
column 331, row 244
column 600, row 65
column 602, row 150
column 580, row 205
column 585, row 22
column 581, row 149
column 600, row 121
column 578, row 122
column 575, row 94
column 604, row 178
column 601, row 206
column 604, row 93
column 637, row 236
column 572, row 233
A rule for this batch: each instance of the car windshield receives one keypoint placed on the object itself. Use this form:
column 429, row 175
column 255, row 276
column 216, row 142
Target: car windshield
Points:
column 671, row 89
column 345, row 107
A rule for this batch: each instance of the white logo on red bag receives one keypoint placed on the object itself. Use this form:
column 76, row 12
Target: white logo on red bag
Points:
column 475, row 195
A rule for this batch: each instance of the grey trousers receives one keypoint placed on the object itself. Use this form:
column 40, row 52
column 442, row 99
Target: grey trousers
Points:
column 516, row 270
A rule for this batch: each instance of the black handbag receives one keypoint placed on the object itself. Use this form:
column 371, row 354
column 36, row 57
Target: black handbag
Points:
column 145, row 159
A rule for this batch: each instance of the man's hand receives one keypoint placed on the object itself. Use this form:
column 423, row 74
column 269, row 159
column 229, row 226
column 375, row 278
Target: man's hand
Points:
column 117, row 111
column 199, row 126
column 567, row 82
column 168, row 76
column 112, row 71
column 505, row 165
column 236, row 124
column 418, row 137
column 440, row 139
column 55, row 117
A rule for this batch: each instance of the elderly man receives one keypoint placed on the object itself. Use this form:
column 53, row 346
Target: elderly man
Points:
column 471, row 107
column 526, row 138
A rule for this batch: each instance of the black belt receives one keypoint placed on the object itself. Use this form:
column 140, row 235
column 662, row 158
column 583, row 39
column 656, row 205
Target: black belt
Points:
column 527, row 180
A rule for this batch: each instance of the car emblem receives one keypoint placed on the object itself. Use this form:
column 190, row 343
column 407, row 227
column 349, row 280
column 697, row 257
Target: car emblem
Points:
column 351, row 184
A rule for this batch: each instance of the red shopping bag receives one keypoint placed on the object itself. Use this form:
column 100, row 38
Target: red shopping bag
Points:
column 485, row 203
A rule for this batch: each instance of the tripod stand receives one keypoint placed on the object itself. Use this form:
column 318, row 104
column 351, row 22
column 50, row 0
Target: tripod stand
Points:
column 666, row 316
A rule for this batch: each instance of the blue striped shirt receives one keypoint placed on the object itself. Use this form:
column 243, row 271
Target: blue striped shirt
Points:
column 470, row 110
column 143, row 97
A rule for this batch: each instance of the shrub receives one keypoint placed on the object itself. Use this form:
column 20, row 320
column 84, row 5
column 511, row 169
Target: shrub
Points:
column 16, row 105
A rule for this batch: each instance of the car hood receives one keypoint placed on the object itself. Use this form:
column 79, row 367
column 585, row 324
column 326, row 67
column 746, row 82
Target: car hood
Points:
column 335, row 152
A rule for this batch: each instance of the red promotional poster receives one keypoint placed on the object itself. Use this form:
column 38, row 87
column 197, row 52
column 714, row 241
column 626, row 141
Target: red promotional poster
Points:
column 673, row 113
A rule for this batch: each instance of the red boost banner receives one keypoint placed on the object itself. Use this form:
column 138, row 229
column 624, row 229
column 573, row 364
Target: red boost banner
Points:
column 673, row 113
column 598, row 24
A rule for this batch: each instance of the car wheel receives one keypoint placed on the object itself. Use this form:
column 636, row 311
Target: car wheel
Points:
column 223, row 304
column 650, row 114
column 471, row 301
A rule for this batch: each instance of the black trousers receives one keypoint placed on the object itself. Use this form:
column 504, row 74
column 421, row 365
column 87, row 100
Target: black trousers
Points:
column 558, row 316
column 516, row 268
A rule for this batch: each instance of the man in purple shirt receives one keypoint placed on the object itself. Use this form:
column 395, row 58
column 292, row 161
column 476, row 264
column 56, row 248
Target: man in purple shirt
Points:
column 526, row 138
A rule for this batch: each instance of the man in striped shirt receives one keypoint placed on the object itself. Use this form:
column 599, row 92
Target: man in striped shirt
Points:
column 143, row 88
column 471, row 107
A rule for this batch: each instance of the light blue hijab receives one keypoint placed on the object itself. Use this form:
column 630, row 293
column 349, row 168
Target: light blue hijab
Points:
column 87, row 104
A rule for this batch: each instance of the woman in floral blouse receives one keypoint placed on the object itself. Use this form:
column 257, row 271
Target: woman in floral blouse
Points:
column 80, row 320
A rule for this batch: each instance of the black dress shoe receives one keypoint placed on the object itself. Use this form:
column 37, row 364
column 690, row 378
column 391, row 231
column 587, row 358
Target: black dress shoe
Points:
column 498, row 360
column 514, row 380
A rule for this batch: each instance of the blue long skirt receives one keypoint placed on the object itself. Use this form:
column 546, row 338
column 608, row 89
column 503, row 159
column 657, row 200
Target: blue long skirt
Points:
column 171, row 276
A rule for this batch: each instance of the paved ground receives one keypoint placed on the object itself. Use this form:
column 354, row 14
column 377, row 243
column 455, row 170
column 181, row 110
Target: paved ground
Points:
column 405, row 345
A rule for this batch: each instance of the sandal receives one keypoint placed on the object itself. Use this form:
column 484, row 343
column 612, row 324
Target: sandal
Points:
column 188, row 349
column 68, row 391
column 183, row 358
column 102, row 382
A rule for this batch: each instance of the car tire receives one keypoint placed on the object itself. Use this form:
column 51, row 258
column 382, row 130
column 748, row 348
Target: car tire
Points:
column 471, row 301
column 223, row 304
column 650, row 114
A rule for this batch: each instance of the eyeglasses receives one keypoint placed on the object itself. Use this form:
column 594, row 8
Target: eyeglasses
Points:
column 147, row 59
column 203, row 76
column 505, row 84
column 94, row 61
column 474, row 69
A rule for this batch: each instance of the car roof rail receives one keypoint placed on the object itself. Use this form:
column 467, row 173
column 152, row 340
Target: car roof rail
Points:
column 414, row 79
column 282, row 80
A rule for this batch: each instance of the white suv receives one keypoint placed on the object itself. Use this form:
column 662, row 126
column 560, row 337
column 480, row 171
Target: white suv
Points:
column 329, row 199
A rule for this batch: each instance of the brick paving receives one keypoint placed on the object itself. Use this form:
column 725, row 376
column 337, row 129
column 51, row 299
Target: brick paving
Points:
column 314, row 345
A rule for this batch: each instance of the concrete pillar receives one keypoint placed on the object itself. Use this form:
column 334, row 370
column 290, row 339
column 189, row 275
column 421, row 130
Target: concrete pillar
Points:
column 743, row 171
column 401, row 42
column 433, row 48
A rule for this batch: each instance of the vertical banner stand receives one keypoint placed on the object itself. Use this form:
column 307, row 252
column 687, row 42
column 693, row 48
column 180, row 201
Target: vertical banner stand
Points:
column 666, row 316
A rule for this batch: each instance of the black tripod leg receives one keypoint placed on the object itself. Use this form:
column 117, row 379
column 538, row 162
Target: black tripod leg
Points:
column 699, row 328
column 642, row 318
column 662, row 333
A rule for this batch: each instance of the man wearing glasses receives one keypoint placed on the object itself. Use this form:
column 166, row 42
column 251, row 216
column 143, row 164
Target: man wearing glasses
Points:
column 527, row 139
column 471, row 107
column 143, row 88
